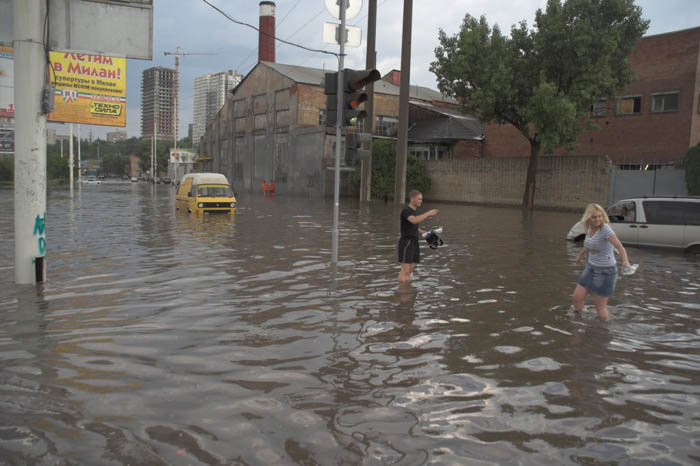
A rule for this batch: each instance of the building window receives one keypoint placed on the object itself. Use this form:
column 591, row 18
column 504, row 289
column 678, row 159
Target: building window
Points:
column 322, row 117
column 386, row 125
column 361, row 125
column 629, row 105
column 665, row 102
column 599, row 109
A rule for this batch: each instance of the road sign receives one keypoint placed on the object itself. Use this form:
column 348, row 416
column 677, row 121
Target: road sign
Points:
column 121, row 28
column 331, row 34
column 352, row 8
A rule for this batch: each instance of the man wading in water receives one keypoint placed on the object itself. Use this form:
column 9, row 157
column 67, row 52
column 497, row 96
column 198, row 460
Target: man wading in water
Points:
column 409, row 249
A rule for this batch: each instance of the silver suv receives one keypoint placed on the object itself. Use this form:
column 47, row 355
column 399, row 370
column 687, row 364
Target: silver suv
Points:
column 672, row 222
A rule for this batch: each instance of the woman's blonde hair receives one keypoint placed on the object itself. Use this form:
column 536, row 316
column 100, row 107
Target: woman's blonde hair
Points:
column 589, row 213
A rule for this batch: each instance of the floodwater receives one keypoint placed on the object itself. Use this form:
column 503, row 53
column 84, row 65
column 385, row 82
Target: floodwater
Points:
column 166, row 338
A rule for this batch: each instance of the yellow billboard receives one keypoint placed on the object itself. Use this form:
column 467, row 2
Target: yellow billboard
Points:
column 90, row 89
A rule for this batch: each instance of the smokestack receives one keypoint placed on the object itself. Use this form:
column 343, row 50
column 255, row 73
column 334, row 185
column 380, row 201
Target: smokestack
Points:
column 266, row 38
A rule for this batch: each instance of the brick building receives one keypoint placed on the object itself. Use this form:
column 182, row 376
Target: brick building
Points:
column 272, row 127
column 654, row 120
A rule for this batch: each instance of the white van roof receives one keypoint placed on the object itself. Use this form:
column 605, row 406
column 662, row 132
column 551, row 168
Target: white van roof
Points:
column 205, row 178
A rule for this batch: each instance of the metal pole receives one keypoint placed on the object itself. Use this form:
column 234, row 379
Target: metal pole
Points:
column 80, row 164
column 70, row 157
column 30, row 141
column 402, row 145
column 338, row 132
column 366, row 166
column 61, row 147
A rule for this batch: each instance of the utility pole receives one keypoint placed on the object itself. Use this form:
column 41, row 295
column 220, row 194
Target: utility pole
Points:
column 338, row 131
column 366, row 165
column 402, row 145
column 28, row 18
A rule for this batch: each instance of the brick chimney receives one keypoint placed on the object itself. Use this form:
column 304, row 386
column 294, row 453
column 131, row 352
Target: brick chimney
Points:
column 266, row 38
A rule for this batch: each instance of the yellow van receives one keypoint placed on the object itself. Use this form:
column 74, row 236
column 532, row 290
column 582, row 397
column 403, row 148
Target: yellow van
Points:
column 205, row 193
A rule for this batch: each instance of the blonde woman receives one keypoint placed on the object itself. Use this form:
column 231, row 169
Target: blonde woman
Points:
column 601, row 270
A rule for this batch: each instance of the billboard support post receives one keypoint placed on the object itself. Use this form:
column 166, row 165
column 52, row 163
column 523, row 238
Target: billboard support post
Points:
column 70, row 157
column 30, row 142
column 80, row 161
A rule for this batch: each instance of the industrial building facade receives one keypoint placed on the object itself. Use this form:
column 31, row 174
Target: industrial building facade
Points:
column 272, row 128
column 158, row 94
column 210, row 92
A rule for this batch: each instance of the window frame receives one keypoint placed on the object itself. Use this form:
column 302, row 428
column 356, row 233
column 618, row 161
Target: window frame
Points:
column 630, row 96
column 600, row 114
column 657, row 94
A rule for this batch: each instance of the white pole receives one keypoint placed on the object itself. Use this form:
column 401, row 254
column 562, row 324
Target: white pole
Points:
column 338, row 133
column 30, row 141
column 70, row 157
column 154, row 168
column 80, row 165
column 61, row 147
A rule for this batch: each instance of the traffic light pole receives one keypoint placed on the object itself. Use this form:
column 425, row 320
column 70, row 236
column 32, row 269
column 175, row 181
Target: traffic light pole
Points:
column 366, row 168
column 338, row 132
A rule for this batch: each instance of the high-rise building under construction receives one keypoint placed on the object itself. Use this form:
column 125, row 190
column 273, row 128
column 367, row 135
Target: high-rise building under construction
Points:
column 158, row 94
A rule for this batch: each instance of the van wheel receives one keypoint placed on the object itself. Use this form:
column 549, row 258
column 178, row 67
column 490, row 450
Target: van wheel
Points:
column 694, row 249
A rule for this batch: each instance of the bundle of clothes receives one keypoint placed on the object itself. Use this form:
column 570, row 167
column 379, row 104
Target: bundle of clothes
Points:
column 433, row 238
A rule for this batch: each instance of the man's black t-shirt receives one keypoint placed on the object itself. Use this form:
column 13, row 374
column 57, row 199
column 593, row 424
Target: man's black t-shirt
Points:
column 408, row 229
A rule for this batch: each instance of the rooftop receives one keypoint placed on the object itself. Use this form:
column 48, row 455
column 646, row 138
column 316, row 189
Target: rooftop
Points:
column 313, row 76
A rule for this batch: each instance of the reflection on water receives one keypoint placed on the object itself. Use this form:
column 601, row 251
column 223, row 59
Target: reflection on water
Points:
column 166, row 338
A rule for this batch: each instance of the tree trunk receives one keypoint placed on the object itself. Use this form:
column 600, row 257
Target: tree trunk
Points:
column 529, row 195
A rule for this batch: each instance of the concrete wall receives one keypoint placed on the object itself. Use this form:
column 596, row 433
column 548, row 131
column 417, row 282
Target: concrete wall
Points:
column 568, row 182
column 637, row 183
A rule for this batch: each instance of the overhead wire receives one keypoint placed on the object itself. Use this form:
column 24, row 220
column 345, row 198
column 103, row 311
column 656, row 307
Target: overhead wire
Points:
column 284, row 41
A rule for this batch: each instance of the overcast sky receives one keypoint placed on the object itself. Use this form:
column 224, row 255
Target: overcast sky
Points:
column 196, row 27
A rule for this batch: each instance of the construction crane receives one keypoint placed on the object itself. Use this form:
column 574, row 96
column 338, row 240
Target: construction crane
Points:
column 177, row 53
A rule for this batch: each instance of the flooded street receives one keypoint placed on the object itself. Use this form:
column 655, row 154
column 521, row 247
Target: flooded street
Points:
column 166, row 338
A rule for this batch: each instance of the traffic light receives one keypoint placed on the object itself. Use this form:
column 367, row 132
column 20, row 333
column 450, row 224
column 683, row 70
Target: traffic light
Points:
column 358, row 146
column 331, row 91
column 353, row 82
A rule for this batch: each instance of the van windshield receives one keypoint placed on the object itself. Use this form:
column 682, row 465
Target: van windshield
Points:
column 214, row 191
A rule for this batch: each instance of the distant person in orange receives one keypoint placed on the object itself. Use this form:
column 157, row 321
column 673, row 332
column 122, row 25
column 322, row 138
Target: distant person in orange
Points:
column 265, row 188
column 271, row 188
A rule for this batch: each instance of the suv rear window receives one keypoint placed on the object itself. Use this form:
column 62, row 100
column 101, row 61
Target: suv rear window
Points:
column 672, row 212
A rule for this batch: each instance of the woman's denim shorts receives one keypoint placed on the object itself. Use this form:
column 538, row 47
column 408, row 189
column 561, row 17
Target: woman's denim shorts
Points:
column 599, row 280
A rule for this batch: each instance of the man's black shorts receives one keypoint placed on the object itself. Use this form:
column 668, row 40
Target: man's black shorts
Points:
column 409, row 250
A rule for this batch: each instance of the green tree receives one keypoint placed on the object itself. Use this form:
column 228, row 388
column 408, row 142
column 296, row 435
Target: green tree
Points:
column 384, row 168
column 115, row 164
column 7, row 167
column 692, row 171
column 544, row 80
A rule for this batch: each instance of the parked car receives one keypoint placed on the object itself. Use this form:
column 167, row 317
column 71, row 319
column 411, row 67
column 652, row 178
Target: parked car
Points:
column 205, row 193
column 92, row 180
column 134, row 179
column 671, row 222
column 167, row 180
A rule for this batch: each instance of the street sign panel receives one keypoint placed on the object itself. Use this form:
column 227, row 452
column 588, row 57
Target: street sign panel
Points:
column 331, row 34
column 352, row 8
column 114, row 28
